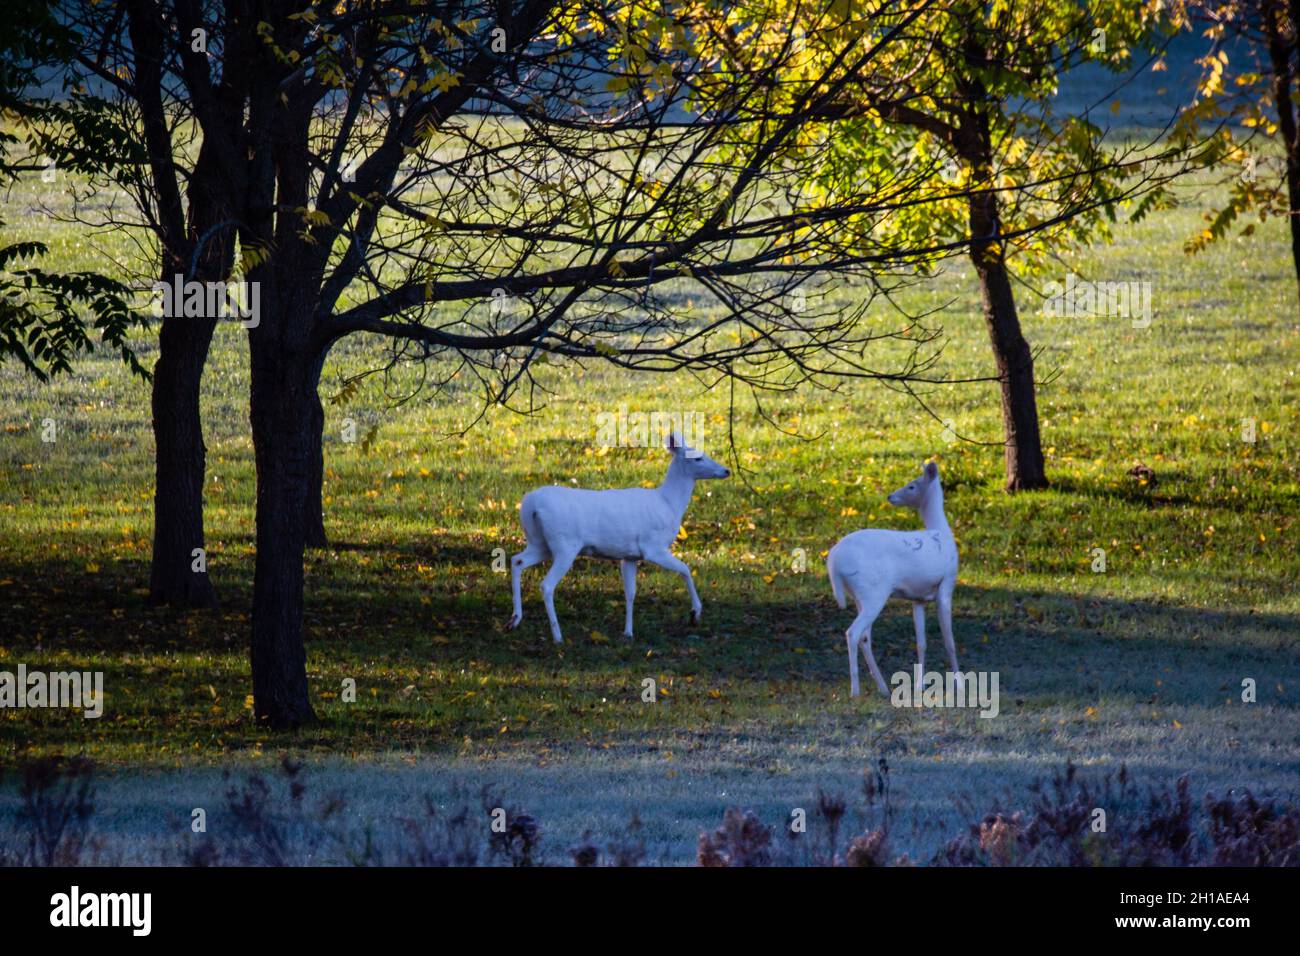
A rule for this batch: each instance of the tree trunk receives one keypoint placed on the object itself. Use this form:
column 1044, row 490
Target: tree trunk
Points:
column 973, row 139
column 281, row 412
column 1281, row 49
column 1023, row 449
column 314, row 516
column 178, row 575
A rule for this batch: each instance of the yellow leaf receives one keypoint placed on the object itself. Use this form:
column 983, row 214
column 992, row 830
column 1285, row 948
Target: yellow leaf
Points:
column 445, row 81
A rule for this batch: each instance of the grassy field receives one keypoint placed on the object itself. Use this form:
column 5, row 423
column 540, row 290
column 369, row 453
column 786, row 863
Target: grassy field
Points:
column 1140, row 665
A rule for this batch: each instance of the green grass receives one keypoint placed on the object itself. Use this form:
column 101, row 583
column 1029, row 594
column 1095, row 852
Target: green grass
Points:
column 1142, row 664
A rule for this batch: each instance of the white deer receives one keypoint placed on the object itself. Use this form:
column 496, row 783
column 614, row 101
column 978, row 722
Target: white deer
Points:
column 627, row 525
column 918, row 566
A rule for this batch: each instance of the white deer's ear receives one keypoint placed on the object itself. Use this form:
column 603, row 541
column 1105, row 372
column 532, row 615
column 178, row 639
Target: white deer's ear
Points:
column 674, row 442
column 931, row 470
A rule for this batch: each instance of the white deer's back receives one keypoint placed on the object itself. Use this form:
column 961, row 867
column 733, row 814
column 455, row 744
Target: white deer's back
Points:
column 618, row 524
column 906, row 564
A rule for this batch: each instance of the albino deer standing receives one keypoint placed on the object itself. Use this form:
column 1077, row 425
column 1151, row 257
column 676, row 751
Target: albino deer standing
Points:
column 875, row 565
column 624, row 524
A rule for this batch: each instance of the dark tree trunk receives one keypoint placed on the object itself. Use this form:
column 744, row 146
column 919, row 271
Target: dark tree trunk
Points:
column 282, row 394
column 179, row 466
column 314, row 517
column 180, row 456
column 1282, row 39
column 281, row 411
column 1023, row 446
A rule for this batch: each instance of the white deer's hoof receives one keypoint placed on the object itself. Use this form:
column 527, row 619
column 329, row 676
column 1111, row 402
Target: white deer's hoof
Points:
column 628, row 635
column 695, row 618
column 514, row 621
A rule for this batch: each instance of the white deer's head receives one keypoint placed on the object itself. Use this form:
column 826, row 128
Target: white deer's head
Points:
column 694, row 463
column 914, row 493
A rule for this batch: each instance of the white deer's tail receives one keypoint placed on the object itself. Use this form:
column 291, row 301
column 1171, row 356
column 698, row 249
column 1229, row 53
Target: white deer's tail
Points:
column 533, row 533
column 837, row 583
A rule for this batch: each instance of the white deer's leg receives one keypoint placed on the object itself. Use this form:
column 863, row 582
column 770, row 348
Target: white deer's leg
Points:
column 918, row 619
column 629, row 592
column 670, row 562
column 559, row 568
column 869, row 609
column 859, row 636
column 532, row 554
column 852, row 636
column 945, row 625
column 871, row 663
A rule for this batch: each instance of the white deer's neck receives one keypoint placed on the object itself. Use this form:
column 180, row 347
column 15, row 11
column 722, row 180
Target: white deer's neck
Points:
column 931, row 511
column 677, row 487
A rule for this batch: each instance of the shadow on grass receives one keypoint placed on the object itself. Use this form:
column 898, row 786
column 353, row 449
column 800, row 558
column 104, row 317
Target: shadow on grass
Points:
column 435, row 665
column 1168, row 491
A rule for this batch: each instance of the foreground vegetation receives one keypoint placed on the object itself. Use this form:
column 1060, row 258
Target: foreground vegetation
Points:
column 1072, row 819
